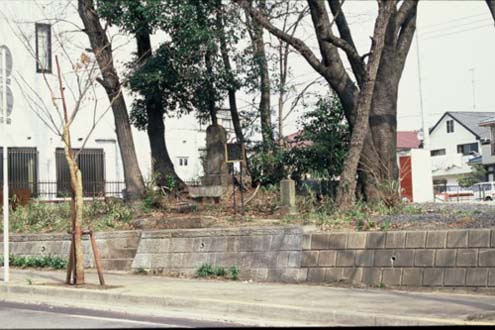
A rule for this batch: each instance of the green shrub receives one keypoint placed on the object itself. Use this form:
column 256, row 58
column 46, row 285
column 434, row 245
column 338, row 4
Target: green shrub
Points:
column 53, row 262
column 205, row 270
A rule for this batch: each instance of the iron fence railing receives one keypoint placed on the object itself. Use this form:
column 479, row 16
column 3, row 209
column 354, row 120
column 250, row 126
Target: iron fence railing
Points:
column 50, row 190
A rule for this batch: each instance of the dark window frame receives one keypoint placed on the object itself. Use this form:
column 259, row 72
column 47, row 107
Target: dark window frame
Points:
column 19, row 159
column 450, row 128
column 93, row 183
column 438, row 152
column 38, row 28
column 461, row 148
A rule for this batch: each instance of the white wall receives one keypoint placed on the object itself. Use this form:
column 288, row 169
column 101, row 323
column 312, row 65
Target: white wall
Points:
column 422, row 182
column 183, row 137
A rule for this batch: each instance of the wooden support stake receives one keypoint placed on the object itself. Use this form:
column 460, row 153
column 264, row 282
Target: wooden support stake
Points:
column 96, row 253
column 68, row 279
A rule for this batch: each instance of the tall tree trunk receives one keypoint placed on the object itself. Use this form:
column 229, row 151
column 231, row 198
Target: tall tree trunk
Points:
column 262, row 62
column 162, row 165
column 379, row 157
column 234, row 112
column 347, row 185
column 103, row 51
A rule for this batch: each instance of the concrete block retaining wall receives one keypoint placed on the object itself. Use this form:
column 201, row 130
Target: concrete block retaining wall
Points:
column 117, row 249
column 450, row 258
column 263, row 254
column 453, row 258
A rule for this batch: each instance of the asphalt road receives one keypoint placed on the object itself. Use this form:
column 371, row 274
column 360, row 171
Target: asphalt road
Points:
column 30, row 316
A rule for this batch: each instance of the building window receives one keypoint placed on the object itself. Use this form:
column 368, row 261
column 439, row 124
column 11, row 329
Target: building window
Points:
column 438, row 152
column 450, row 126
column 23, row 170
column 43, row 48
column 91, row 162
column 467, row 149
column 183, row 161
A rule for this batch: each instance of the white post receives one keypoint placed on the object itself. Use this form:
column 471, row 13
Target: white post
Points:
column 5, row 174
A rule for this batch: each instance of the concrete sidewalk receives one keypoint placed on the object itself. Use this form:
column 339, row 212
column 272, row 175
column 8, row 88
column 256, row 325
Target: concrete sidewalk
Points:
column 265, row 304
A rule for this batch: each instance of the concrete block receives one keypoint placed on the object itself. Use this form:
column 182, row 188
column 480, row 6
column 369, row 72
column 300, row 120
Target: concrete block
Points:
column 337, row 241
column 307, row 241
column 295, row 259
column 467, row 257
column 486, row 257
column 319, row 241
column 345, row 258
column 424, row 258
column 232, row 244
column 356, row 240
column 455, row 277
column 364, row 258
column 395, row 240
column 383, row 258
column 416, row 239
column 445, row 258
column 254, row 243
column 392, row 276
column 352, row 275
column 477, row 277
column 210, row 244
column 412, row 277
column 436, row 239
column 432, row 277
column 375, row 240
column 316, row 275
column 291, row 242
column 282, row 259
column 371, row 276
column 492, row 240
column 181, row 244
column 491, row 277
column 479, row 238
column 333, row 275
column 457, row 238
column 403, row 258
column 327, row 258
column 309, row 258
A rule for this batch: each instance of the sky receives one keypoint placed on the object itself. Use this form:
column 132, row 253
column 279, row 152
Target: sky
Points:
column 456, row 40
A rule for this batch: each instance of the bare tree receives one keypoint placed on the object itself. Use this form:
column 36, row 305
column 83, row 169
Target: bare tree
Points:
column 110, row 81
column 379, row 143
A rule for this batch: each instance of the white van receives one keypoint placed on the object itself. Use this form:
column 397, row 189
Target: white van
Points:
column 484, row 190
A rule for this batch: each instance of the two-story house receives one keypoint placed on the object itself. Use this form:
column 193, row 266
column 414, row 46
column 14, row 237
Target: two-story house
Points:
column 456, row 139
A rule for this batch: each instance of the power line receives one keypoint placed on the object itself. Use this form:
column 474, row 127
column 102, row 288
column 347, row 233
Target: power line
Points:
column 457, row 25
column 459, row 31
column 452, row 20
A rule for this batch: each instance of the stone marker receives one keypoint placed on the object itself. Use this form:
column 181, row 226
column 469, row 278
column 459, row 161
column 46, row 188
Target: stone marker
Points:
column 216, row 170
column 288, row 196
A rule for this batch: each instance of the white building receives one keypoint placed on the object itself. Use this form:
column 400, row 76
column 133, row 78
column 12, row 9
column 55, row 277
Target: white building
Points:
column 36, row 162
column 456, row 139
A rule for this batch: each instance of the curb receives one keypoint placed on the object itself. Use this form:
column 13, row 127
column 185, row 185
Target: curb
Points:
column 210, row 309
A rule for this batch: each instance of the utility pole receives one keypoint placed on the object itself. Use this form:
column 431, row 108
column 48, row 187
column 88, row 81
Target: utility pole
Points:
column 4, row 115
column 474, row 87
column 426, row 132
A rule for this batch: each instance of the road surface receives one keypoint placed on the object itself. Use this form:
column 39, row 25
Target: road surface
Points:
column 31, row 316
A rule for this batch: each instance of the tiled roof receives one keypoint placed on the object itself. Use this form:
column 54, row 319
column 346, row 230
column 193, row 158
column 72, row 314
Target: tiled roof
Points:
column 407, row 140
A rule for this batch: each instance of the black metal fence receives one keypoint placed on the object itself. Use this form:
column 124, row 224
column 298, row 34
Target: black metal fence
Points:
column 49, row 190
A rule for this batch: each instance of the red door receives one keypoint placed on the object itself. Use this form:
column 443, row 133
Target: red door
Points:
column 406, row 188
